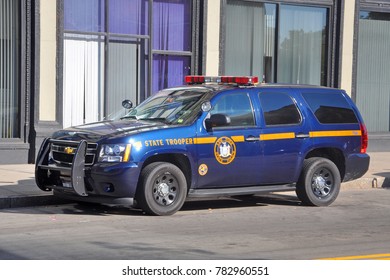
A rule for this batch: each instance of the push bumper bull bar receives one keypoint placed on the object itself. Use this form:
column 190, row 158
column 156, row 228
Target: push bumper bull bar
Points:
column 76, row 171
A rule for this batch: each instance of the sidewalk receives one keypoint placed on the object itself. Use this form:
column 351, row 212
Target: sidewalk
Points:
column 18, row 189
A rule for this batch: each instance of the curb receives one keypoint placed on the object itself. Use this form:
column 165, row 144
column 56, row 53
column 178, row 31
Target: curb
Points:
column 50, row 199
column 368, row 183
column 29, row 201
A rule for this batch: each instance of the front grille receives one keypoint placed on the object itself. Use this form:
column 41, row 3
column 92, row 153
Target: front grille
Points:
column 62, row 152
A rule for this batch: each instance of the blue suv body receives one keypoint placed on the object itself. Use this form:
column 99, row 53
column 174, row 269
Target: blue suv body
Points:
column 211, row 139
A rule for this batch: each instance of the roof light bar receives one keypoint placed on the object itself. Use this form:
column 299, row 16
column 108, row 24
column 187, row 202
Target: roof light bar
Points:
column 239, row 80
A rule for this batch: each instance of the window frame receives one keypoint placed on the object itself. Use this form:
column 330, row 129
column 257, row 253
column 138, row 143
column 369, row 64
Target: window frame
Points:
column 107, row 35
column 229, row 93
column 332, row 77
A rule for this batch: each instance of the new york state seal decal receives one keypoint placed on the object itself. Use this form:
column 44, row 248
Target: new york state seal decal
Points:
column 225, row 150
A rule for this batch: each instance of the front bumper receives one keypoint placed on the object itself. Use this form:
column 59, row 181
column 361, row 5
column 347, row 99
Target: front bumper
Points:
column 109, row 183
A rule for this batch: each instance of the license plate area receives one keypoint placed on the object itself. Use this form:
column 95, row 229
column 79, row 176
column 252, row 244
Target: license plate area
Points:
column 67, row 184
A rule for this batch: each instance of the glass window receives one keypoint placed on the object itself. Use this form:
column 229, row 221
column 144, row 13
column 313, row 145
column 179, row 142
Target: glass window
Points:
column 85, row 15
column 169, row 70
column 171, row 32
column 330, row 108
column 9, row 69
column 302, row 43
column 83, row 85
column 127, row 66
column 128, row 17
column 237, row 106
column 172, row 25
column 302, row 49
column 279, row 109
column 250, row 39
column 374, row 15
column 373, row 68
column 107, row 60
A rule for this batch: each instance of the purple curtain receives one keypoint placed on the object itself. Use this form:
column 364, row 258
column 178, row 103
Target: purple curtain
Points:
column 169, row 70
column 171, row 32
column 172, row 25
column 128, row 17
column 85, row 15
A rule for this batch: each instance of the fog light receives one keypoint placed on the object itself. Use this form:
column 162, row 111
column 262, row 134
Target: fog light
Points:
column 109, row 188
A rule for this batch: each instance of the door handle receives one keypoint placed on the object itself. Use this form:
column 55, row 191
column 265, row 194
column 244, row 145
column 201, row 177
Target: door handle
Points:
column 302, row 135
column 252, row 139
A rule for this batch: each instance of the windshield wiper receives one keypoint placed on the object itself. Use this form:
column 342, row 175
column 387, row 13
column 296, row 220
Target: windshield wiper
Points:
column 163, row 120
column 129, row 117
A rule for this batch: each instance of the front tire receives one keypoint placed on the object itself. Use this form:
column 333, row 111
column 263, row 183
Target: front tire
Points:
column 319, row 183
column 162, row 190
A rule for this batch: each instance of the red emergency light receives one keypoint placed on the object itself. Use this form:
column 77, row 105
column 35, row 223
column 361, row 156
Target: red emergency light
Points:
column 238, row 80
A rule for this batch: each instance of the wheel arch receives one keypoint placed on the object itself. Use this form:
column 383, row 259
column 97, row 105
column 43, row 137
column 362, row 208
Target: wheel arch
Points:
column 333, row 154
column 180, row 160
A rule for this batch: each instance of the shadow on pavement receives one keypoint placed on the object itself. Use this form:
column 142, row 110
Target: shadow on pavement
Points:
column 241, row 202
column 83, row 208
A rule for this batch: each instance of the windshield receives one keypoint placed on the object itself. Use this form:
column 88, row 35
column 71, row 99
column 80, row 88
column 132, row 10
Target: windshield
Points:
column 171, row 106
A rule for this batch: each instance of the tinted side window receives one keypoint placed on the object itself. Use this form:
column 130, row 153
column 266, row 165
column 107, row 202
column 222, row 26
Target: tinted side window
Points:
column 237, row 106
column 279, row 109
column 330, row 108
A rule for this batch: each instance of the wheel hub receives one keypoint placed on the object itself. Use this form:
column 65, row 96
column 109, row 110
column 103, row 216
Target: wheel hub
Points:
column 163, row 190
column 322, row 184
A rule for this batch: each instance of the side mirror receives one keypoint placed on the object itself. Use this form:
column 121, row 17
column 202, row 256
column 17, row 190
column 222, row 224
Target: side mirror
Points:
column 127, row 104
column 216, row 120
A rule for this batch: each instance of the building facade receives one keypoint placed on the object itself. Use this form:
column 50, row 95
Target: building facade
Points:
column 68, row 62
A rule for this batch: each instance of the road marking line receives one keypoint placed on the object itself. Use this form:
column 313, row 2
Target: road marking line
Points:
column 363, row 257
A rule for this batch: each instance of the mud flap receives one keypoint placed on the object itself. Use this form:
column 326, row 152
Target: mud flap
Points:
column 78, row 169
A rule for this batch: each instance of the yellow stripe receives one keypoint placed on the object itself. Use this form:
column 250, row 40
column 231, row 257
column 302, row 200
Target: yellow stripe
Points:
column 335, row 133
column 211, row 140
column 205, row 140
column 277, row 136
column 363, row 257
column 238, row 138
column 286, row 135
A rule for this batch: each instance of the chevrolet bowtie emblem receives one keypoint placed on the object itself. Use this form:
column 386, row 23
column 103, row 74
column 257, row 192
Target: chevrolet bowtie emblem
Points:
column 69, row 150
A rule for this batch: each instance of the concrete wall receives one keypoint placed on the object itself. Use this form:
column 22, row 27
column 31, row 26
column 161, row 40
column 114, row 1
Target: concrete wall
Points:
column 212, row 37
column 47, row 84
column 347, row 48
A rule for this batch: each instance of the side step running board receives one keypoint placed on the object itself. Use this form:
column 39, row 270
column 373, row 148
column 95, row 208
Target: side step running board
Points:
column 197, row 193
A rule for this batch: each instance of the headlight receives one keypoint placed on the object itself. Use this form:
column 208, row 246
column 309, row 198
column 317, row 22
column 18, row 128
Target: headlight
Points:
column 115, row 153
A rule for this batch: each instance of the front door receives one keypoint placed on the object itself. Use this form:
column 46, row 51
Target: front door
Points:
column 230, row 155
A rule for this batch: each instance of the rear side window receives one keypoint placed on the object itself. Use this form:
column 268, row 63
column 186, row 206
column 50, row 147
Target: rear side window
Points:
column 279, row 109
column 330, row 108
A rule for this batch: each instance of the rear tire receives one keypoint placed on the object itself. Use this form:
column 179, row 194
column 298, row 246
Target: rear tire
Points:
column 162, row 190
column 319, row 183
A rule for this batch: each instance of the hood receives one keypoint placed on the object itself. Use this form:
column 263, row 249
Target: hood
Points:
column 95, row 132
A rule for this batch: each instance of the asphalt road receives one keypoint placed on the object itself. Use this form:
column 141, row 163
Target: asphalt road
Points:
column 267, row 227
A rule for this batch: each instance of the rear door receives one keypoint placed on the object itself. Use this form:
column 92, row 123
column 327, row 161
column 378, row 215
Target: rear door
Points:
column 284, row 135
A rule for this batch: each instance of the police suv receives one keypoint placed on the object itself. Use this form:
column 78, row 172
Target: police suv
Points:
column 215, row 136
